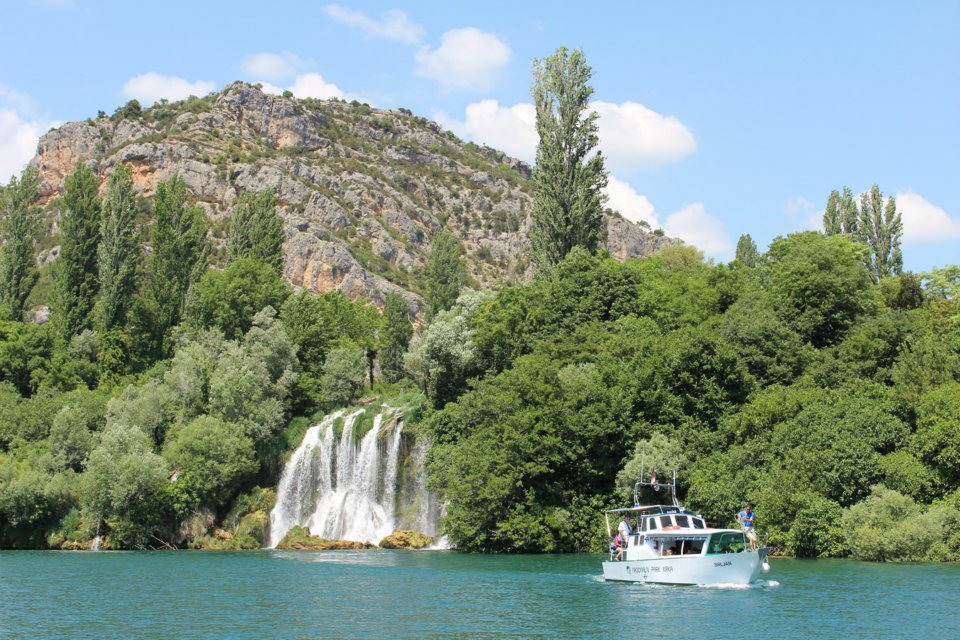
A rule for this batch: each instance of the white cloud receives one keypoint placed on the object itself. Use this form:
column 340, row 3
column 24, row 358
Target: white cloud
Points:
column 634, row 207
column 510, row 129
column 924, row 221
column 466, row 59
column 633, row 136
column 273, row 66
column 694, row 225
column 312, row 85
column 805, row 213
column 308, row 85
column 392, row 25
column 18, row 143
column 151, row 87
column 20, row 129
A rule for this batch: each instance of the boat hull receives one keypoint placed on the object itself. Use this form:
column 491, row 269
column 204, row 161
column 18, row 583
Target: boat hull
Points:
column 729, row 568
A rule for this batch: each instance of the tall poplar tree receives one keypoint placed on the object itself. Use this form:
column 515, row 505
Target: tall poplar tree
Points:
column 568, row 181
column 445, row 272
column 840, row 215
column 880, row 228
column 75, row 276
column 395, row 336
column 119, row 251
column 19, row 224
column 256, row 230
column 747, row 253
column 179, row 258
column 180, row 249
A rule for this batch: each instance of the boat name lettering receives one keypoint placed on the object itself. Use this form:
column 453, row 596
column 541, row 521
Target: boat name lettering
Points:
column 664, row 569
column 725, row 563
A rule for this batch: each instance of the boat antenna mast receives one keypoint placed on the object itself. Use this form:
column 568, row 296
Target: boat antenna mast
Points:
column 654, row 483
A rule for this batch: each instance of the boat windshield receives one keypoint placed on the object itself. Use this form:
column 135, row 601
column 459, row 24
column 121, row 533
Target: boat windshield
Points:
column 728, row 542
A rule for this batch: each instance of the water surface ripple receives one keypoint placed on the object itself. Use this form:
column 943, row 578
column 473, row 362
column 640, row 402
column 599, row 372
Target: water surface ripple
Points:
column 284, row 594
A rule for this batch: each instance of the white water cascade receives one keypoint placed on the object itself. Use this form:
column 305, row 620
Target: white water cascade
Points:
column 342, row 489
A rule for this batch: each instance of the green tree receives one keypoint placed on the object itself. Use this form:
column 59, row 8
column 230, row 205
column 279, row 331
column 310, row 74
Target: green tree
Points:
column 659, row 454
column 229, row 299
column 568, row 181
column 818, row 284
column 747, row 253
column 840, row 215
column 880, row 228
column 20, row 225
column 343, row 374
column 817, row 529
column 124, row 486
column 395, row 337
column 75, row 275
column 119, row 251
column 179, row 259
column 131, row 109
column 256, row 230
column 445, row 272
column 938, row 437
column 214, row 459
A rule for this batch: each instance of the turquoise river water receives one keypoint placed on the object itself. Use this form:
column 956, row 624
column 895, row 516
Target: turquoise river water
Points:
column 397, row 594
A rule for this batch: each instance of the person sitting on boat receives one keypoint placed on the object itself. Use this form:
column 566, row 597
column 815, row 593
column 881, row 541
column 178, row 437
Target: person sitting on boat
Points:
column 745, row 518
column 618, row 543
column 653, row 481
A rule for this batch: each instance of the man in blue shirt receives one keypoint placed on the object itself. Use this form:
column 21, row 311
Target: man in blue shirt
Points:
column 745, row 518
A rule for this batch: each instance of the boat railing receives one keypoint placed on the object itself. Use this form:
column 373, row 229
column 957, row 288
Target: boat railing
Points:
column 653, row 482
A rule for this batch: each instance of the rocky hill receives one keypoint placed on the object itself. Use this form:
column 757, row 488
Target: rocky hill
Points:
column 361, row 190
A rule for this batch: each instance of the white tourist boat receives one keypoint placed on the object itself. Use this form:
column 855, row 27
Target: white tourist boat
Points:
column 669, row 544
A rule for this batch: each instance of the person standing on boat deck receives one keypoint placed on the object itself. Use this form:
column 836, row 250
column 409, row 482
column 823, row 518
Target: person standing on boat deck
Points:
column 745, row 518
column 624, row 528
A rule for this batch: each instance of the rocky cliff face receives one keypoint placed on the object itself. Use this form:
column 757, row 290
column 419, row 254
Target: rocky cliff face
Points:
column 361, row 190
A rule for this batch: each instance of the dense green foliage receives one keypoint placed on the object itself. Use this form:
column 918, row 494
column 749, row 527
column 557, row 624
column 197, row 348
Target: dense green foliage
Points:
column 164, row 393
column 790, row 384
column 20, row 220
column 445, row 272
column 397, row 332
column 568, row 181
column 256, row 230
column 76, row 269
column 179, row 259
column 119, row 251
column 875, row 223
column 813, row 380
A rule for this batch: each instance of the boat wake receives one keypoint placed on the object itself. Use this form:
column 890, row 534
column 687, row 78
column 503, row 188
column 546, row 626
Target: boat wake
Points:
column 759, row 584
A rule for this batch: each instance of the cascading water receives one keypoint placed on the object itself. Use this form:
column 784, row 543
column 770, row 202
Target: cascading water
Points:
column 342, row 489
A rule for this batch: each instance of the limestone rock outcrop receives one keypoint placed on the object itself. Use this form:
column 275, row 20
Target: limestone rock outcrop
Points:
column 361, row 190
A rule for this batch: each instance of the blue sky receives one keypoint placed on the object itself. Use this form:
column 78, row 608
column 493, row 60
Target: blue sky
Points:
column 717, row 119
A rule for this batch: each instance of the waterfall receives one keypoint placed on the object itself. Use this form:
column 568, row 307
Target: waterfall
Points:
column 342, row 489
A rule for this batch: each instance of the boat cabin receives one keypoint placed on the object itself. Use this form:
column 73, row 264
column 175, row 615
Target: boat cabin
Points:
column 659, row 531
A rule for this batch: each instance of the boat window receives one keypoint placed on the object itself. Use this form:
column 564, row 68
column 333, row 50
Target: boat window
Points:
column 697, row 523
column 683, row 521
column 653, row 523
column 692, row 547
column 665, row 521
column 732, row 542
